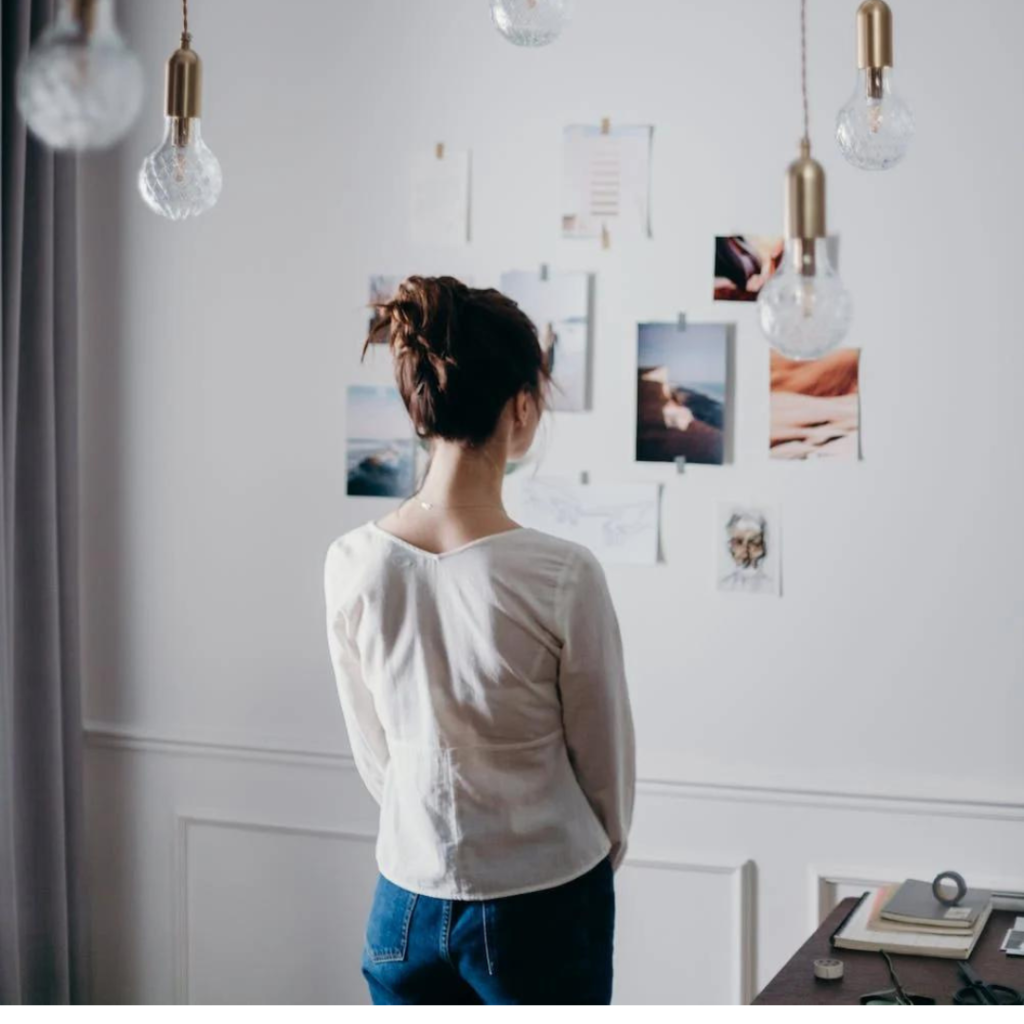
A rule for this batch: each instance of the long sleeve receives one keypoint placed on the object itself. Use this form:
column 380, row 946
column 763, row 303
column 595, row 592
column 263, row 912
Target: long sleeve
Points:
column 596, row 715
column 365, row 732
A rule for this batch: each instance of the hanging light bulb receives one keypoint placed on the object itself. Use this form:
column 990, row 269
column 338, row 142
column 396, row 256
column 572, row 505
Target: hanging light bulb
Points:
column 875, row 127
column 530, row 22
column 805, row 310
column 80, row 87
column 182, row 177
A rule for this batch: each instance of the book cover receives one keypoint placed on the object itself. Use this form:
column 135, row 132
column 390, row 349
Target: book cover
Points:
column 915, row 903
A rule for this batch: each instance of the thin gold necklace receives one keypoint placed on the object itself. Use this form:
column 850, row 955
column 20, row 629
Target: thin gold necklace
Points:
column 429, row 506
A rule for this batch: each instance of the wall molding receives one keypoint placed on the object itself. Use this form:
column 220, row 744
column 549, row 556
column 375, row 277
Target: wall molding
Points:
column 741, row 874
column 183, row 822
column 103, row 735
column 744, row 970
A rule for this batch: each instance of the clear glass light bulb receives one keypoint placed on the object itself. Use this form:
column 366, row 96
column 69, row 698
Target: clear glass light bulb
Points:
column 80, row 87
column 530, row 22
column 875, row 127
column 805, row 309
column 181, row 177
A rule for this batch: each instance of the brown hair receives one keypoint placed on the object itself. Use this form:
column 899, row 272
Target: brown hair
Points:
column 460, row 354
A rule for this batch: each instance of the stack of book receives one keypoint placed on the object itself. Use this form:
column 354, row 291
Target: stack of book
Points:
column 908, row 918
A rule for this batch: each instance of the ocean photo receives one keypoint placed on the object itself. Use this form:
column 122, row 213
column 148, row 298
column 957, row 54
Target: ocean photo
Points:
column 380, row 454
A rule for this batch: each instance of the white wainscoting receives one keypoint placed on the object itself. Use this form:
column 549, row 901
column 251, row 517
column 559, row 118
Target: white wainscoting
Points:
column 228, row 872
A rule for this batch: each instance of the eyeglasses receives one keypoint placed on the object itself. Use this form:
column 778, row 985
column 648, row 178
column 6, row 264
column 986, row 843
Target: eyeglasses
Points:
column 895, row 996
column 981, row 993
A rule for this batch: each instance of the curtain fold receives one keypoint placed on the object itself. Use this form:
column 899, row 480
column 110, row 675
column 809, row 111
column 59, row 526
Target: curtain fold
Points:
column 43, row 931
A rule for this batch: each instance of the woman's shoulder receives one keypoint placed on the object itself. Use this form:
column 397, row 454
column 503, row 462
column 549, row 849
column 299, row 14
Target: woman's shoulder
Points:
column 559, row 554
column 348, row 556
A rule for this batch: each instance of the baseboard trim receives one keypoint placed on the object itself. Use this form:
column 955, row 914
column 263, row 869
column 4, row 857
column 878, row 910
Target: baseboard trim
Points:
column 103, row 735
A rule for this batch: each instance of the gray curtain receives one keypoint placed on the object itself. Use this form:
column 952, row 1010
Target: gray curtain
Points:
column 42, row 926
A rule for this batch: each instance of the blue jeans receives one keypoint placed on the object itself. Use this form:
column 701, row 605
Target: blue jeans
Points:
column 549, row 946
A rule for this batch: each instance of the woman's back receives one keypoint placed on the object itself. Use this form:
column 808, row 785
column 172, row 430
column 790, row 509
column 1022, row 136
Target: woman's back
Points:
column 487, row 691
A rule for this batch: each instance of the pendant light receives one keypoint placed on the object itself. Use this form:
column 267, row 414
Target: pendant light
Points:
column 530, row 22
column 182, row 177
column 805, row 310
column 875, row 127
column 80, row 87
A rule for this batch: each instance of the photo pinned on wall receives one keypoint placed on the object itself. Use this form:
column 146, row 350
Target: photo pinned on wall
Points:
column 559, row 306
column 618, row 522
column 815, row 407
column 439, row 213
column 744, row 263
column 682, row 392
column 607, row 181
column 382, row 289
column 381, row 443
column 749, row 541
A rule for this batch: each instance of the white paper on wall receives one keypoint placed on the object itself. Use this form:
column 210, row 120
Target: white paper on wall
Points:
column 618, row 522
column 607, row 181
column 440, row 197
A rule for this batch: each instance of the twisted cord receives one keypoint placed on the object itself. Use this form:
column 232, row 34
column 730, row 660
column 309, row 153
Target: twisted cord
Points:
column 184, row 17
column 803, row 69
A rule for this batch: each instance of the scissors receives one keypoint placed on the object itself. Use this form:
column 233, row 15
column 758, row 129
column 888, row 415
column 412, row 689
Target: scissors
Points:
column 981, row 993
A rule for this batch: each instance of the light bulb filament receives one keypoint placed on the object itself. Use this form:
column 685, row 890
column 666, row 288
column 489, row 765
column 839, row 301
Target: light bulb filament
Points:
column 875, row 79
column 804, row 261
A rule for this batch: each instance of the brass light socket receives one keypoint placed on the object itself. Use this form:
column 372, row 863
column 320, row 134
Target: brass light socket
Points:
column 184, row 81
column 874, row 35
column 84, row 14
column 805, row 197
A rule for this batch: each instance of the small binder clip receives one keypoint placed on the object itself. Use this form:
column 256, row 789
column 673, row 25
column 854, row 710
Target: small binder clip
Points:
column 584, row 477
column 439, row 151
column 680, row 463
column 606, row 125
column 681, row 322
column 543, row 271
column 606, row 238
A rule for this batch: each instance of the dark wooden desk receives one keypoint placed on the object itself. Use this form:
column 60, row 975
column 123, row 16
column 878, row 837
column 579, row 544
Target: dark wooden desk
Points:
column 866, row 972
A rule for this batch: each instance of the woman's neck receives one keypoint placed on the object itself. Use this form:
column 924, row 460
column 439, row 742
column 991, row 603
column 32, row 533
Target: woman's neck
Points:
column 464, row 477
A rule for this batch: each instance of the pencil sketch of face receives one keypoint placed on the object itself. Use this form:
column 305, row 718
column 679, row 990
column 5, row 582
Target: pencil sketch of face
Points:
column 746, row 536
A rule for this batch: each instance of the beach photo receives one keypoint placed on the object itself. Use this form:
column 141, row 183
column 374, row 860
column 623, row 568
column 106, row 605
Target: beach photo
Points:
column 559, row 306
column 748, row 539
column 815, row 407
column 743, row 263
column 681, row 392
column 381, row 447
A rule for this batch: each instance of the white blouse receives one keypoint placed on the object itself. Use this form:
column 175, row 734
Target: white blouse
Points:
column 485, row 699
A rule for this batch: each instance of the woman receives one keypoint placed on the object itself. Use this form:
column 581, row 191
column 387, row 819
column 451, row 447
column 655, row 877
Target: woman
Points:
column 479, row 666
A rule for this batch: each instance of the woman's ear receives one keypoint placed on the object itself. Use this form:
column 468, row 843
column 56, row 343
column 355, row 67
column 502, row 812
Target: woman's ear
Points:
column 521, row 409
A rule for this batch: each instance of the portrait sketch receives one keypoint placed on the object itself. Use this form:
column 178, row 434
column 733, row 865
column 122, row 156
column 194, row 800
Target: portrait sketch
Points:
column 749, row 550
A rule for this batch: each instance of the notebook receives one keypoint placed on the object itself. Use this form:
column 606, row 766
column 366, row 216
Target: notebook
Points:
column 915, row 903
column 856, row 933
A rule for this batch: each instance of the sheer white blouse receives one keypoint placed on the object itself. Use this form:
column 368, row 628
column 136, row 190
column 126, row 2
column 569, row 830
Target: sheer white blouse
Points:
column 484, row 696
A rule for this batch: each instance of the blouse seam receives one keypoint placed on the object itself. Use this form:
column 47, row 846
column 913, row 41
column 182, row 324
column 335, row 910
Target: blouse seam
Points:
column 448, row 748
column 560, row 604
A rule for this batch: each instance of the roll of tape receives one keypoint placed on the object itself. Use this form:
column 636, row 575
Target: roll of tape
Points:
column 957, row 880
column 828, row 969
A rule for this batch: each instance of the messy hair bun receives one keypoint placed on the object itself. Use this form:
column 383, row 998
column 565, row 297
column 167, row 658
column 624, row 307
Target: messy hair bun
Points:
column 460, row 354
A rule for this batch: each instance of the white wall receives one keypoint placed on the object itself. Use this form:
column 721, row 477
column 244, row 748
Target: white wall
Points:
column 778, row 741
